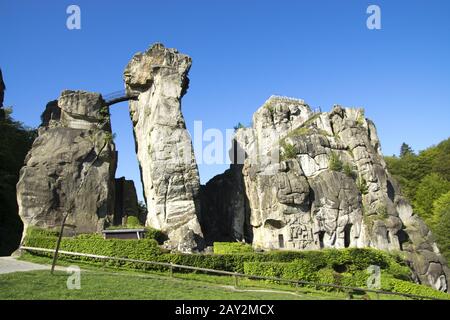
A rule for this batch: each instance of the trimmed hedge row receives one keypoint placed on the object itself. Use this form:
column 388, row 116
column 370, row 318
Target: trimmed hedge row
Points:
column 232, row 247
column 304, row 270
column 296, row 270
column 350, row 259
column 396, row 285
column 144, row 249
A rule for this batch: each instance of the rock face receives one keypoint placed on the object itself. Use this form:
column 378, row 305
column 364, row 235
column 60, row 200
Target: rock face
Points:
column 168, row 168
column 225, row 209
column 126, row 201
column 71, row 166
column 318, row 180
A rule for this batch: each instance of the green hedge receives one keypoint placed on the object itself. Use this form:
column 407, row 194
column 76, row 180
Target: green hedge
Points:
column 304, row 270
column 231, row 247
column 144, row 249
column 396, row 285
column 295, row 270
column 345, row 259
column 156, row 234
column 133, row 222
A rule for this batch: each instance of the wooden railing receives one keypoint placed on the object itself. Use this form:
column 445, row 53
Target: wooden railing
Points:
column 236, row 275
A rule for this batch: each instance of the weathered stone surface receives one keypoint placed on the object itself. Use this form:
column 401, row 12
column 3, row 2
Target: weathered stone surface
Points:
column 168, row 168
column 71, row 166
column 303, row 201
column 225, row 211
column 126, row 201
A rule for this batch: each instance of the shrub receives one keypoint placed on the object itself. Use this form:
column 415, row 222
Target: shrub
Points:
column 354, row 279
column 231, row 247
column 382, row 211
column 295, row 270
column 362, row 185
column 288, row 150
column 144, row 249
column 328, row 276
column 335, row 163
column 155, row 234
column 396, row 285
column 133, row 222
column 348, row 170
column 40, row 232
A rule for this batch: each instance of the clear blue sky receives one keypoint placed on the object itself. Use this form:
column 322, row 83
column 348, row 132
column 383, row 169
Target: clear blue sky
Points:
column 243, row 52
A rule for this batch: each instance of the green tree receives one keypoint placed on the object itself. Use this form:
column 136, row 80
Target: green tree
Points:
column 15, row 142
column 441, row 223
column 142, row 212
column 430, row 188
column 405, row 150
column 440, row 161
column 410, row 170
column 238, row 126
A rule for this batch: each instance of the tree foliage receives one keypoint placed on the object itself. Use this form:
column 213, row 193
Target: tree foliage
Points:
column 405, row 150
column 441, row 223
column 425, row 180
column 15, row 142
column 430, row 189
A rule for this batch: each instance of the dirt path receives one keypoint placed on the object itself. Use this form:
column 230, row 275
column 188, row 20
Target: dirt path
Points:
column 11, row 264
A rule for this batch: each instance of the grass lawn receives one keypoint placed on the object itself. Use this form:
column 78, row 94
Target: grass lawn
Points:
column 112, row 283
column 108, row 285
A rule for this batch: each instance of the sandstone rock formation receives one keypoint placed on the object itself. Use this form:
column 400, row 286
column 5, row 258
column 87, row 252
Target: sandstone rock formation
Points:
column 225, row 209
column 168, row 168
column 318, row 180
column 71, row 166
column 126, row 201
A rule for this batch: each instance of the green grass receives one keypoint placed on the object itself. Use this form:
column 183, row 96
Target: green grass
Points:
column 103, row 283
column 108, row 286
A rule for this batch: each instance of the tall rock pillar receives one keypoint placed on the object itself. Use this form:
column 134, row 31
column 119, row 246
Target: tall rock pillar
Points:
column 164, row 148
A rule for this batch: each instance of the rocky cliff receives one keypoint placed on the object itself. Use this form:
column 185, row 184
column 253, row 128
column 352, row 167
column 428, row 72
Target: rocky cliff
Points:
column 318, row 180
column 164, row 149
column 225, row 209
column 71, row 166
column 126, row 201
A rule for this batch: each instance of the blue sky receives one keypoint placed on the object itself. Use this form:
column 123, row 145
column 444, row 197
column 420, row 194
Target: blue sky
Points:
column 243, row 52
